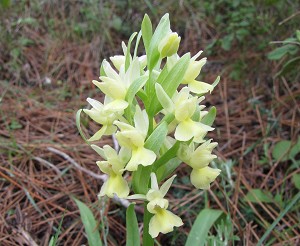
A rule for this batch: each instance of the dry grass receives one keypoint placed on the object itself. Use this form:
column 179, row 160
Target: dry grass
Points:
column 37, row 183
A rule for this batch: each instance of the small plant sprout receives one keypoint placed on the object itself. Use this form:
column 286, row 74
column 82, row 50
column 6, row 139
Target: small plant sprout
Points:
column 152, row 103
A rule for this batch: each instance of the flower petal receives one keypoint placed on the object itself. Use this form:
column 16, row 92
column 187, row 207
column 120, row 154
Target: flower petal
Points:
column 115, row 184
column 98, row 134
column 199, row 87
column 166, row 185
column 163, row 222
column 141, row 121
column 141, row 156
column 201, row 178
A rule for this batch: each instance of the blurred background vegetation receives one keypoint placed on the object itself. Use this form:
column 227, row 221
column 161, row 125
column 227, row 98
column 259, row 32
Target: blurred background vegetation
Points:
column 51, row 50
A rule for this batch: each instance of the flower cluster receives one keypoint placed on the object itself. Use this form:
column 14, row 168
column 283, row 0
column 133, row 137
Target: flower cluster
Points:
column 152, row 103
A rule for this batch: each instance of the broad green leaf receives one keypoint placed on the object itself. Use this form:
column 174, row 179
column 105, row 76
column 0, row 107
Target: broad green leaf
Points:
column 176, row 74
column 296, row 180
column 146, row 32
column 160, row 32
column 170, row 154
column 171, row 82
column 140, row 179
column 167, row 169
column 295, row 149
column 147, row 239
column 200, row 229
column 281, row 149
column 90, row 224
column 133, row 89
column 156, row 139
column 210, row 117
column 280, row 52
column 132, row 229
column 258, row 195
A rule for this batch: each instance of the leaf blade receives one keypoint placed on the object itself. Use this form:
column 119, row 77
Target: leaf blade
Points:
column 205, row 219
column 132, row 229
column 90, row 224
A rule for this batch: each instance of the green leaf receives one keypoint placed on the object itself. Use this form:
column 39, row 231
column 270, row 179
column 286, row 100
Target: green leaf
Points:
column 90, row 224
column 135, row 87
column 290, row 65
column 199, row 232
column 167, row 169
column 298, row 35
column 258, row 195
column 146, row 32
column 281, row 149
column 210, row 117
column 280, row 52
column 140, row 179
column 132, row 229
column 5, row 3
column 227, row 41
column 295, row 149
column 170, row 82
column 176, row 74
column 161, row 31
column 296, row 180
column 156, row 139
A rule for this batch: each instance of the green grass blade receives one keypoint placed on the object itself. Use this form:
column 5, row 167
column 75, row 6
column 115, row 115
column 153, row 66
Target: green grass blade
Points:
column 205, row 219
column 132, row 229
column 281, row 215
column 90, row 224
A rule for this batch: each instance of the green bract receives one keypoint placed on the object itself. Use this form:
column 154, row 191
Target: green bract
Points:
column 152, row 103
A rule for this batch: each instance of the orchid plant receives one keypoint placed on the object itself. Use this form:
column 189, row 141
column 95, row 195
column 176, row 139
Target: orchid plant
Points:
column 152, row 105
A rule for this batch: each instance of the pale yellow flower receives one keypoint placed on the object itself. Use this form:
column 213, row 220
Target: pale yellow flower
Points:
column 201, row 178
column 105, row 115
column 192, row 73
column 133, row 138
column 115, row 85
column 183, row 106
column 163, row 220
column 114, row 168
column 198, row 158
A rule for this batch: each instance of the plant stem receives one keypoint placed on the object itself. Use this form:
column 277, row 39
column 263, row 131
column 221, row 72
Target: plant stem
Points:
column 147, row 239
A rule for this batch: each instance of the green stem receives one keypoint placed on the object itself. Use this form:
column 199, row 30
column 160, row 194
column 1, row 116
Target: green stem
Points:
column 147, row 239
